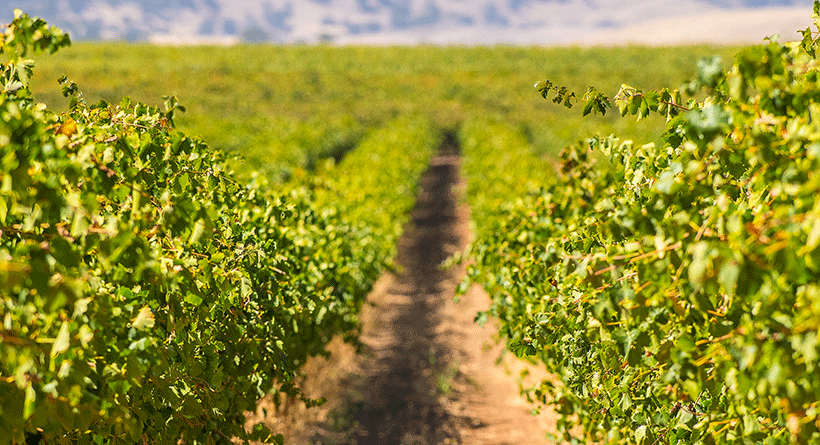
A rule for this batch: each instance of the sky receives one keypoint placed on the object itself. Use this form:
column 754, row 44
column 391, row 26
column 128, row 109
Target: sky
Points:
column 539, row 22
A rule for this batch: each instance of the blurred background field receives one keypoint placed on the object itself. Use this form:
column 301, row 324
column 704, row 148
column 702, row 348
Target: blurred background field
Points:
column 285, row 106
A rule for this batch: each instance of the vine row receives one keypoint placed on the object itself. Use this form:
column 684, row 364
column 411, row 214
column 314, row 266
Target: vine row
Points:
column 149, row 296
column 672, row 291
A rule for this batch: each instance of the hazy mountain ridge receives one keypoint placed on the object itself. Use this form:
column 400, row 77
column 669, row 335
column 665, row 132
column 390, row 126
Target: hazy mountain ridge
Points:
column 372, row 21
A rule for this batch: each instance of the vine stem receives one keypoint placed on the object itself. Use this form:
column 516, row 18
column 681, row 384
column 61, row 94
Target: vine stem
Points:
column 671, row 104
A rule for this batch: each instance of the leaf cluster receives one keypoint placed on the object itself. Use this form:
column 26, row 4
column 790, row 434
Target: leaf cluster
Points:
column 594, row 102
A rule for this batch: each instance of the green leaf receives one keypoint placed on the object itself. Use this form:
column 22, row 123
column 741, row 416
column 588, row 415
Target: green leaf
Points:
column 61, row 343
column 623, row 106
column 652, row 100
column 544, row 87
column 193, row 299
column 700, row 265
column 216, row 379
column 29, row 404
column 634, row 104
column 640, row 434
column 144, row 319
column 710, row 71
column 522, row 348
column 728, row 276
column 644, row 111
column 64, row 252
column 196, row 233
column 807, row 42
column 685, row 343
column 626, row 401
column 813, row 239
column 481, row 318
column 589, row 107
column 666, row 182
column 4, row 210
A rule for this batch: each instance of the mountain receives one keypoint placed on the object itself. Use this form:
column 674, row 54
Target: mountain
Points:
column 544, row 22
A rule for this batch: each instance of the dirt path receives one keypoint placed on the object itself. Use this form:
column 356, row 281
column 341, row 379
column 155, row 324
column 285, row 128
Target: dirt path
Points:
column 428, row 374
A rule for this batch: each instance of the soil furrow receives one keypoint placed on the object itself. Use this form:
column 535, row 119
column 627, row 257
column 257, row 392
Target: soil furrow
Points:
column 426, row 374
column 404, row 404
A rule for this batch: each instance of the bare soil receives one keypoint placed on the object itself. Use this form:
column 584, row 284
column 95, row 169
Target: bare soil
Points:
column 428, row 373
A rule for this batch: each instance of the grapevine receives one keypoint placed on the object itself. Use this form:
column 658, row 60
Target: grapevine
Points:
column 149, row 296
column 672, row 290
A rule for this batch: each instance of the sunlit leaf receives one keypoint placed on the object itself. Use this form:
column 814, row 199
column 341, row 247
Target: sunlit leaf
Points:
column 144, row 319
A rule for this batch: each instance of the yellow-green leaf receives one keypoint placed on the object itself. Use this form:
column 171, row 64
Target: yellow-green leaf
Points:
column 62, row 341
column 31, row 398
column 144, row 319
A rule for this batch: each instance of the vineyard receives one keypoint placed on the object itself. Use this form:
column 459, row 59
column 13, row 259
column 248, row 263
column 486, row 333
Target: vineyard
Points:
column 163, row 269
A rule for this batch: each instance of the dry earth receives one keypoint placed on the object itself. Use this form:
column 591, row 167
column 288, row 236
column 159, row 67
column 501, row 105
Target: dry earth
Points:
column 428, row 374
